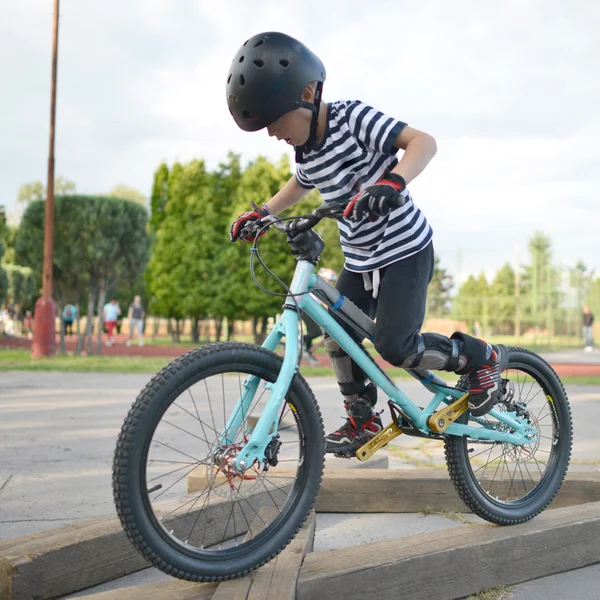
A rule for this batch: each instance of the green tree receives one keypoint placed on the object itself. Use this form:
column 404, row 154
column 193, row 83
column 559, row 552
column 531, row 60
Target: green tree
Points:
column 3, row 277
column 471, row 302
column 36, row 190
column 593, row 298
column 29, row 192
column 21, row 286
column 119, row 248
column 128, row 193
column 540, row 291
column 98, row 242
column 159, row 196
column 179, row 266
column 240, row 297
column 502, row 300
column 3, row 223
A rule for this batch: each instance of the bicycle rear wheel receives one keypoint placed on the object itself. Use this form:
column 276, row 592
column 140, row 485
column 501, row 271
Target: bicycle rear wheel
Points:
column 177, row 495
column 508, row 484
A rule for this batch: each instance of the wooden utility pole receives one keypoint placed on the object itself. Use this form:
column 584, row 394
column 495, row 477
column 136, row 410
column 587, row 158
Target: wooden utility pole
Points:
column 44, row 338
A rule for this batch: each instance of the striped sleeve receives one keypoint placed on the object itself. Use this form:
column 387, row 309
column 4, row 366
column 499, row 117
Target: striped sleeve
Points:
column 302, row 179
column 372, row 128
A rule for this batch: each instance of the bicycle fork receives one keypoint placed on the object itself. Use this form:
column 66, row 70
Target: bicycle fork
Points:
column 265, row 430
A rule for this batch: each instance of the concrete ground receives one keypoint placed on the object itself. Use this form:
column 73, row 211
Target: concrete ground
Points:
column 574, row 357
column 58, row 432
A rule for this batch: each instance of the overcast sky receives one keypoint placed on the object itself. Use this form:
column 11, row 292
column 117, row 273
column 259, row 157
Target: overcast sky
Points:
column 510, row 90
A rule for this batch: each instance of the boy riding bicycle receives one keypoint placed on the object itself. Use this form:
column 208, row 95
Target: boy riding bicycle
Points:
column 347, row 150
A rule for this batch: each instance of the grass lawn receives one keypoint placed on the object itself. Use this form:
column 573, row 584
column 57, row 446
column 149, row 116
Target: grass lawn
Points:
column 540, row 345
column 20, row 360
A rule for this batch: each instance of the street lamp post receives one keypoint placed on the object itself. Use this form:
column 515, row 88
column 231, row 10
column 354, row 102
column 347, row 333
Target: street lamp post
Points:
column 44, row 338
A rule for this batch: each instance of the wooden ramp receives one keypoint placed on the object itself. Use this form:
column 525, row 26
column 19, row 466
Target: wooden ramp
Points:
column 61, row 561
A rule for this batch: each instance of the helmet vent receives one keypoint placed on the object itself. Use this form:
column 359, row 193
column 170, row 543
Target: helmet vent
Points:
column 242, row 80
column 259, row 63
column 229, row 78
column 241, row 59
column 284, row 63
column 259, row 43
column 246, row 114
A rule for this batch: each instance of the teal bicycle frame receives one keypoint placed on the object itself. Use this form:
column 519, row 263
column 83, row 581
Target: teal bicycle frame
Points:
column 520, row 432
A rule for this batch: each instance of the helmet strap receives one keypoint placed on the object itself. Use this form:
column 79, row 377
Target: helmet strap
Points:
column 314, row 108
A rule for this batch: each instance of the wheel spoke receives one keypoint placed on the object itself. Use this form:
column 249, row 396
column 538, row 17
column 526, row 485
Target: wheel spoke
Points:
column 172, row 455
column 212, row 414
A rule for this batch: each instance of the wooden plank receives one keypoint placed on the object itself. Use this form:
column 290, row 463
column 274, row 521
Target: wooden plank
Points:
column 75, row 557
column 277, row 579
column 175, row 589
column 237, row 589
column 407, row 491
column 376, row 490
column 455, row 563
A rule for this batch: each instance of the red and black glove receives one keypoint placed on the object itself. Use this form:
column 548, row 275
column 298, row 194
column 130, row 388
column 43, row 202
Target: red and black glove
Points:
column 378, row 199
column 236, row 232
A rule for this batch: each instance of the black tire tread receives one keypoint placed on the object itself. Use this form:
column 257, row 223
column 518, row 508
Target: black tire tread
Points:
column 459, row 477
column 132, row 424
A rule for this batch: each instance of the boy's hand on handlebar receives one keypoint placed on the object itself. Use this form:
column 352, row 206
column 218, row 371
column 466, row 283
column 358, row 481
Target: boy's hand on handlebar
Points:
column 238, row 230
column 377, row 200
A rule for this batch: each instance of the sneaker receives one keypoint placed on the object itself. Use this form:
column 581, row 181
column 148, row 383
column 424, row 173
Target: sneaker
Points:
column 485, row 383
column 361, row 425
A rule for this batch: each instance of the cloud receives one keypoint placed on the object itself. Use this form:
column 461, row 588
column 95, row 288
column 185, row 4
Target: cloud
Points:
column 509, row 90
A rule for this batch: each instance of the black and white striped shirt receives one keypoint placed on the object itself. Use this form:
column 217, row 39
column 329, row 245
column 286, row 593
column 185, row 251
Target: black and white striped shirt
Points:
column 356, row 151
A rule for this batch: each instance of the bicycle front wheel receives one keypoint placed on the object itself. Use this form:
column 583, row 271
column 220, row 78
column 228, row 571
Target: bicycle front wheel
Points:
column 179, row 499
column 508, row 484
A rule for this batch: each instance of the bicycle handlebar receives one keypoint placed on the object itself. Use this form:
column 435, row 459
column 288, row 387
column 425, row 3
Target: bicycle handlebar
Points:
column 299, row 224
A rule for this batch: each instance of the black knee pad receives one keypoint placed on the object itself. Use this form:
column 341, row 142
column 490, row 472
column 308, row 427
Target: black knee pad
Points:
column 476, row 351
column 431, row 351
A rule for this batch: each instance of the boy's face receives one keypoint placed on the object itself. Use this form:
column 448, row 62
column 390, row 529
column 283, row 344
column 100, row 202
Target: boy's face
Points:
column 294, row 127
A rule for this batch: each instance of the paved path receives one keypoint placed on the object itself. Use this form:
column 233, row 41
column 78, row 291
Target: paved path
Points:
column 58, row 431
column 57, row 436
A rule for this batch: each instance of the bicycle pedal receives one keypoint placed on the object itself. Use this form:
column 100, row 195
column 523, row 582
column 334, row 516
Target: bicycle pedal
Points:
column 383, row 438
column 347, row 455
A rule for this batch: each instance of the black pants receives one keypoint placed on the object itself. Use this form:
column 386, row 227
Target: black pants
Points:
column 399, row 311
column 399, row 308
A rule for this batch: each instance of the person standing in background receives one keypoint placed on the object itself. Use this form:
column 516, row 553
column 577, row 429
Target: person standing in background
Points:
column 136, row 321
column 588, row 320
column 111, row 314
column 69, row 314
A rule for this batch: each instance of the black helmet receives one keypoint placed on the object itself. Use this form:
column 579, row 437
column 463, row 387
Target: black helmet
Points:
column 267, row 77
